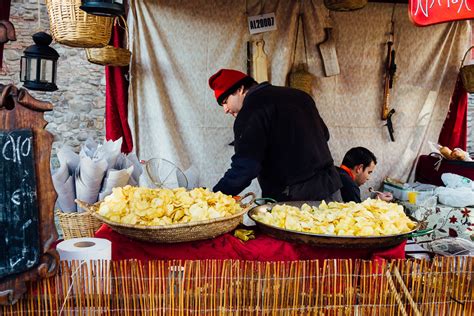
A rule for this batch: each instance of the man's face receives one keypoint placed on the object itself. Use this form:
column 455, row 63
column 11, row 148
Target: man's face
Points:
column 362, row 175
column 233, row 103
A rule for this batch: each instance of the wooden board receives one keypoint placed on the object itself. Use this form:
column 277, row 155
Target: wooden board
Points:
column 329, row 55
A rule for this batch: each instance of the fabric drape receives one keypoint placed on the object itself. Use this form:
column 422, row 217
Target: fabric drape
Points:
column 116, row 99
column 178, row 45
column 454, row 131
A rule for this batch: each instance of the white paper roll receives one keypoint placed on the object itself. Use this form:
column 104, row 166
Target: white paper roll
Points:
column 85, row 249
column 88, row 277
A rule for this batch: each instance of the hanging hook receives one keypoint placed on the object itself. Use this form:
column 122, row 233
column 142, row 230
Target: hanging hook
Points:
column 392, row 24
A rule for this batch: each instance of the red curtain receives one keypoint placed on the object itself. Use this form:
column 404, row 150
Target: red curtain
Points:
column 454, row 131
column 116, row 98
column 4, row 15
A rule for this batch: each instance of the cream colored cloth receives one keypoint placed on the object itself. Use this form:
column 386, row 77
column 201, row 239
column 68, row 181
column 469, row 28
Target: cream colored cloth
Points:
column 178, row 45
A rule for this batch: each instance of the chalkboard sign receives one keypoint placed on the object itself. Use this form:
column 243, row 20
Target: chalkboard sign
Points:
column 19, row 228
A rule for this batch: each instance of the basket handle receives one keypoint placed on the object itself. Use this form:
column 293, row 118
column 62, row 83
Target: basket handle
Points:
column 420, row 233
column 465, row 55
column 264, row 200
column 125, row 27
column 252, row 200
column 86, row 206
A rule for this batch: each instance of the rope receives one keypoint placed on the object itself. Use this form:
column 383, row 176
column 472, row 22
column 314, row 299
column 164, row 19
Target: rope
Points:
column 300, row 20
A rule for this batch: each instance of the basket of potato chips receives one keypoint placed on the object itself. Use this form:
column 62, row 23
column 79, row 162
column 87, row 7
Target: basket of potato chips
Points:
column 169, row 215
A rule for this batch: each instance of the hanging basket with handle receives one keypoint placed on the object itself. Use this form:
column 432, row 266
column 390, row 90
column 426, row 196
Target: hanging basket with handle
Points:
column 110, row 55
column 467, row 73
column 73, row 27
column 299, row 77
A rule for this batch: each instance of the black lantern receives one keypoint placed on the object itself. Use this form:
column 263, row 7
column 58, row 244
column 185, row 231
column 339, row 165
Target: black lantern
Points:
column 103, row 7
column 38, row 65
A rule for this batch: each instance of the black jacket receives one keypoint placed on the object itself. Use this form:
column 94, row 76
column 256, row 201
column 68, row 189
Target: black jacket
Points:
column 280, row 137
column 350, row 190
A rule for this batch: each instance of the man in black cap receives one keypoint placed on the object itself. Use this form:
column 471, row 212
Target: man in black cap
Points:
column 279, row 137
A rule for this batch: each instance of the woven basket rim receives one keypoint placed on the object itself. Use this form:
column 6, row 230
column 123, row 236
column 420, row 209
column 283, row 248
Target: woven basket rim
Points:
column 93, row 208
column 108, row 47
column 171, row 226
column 60, row 212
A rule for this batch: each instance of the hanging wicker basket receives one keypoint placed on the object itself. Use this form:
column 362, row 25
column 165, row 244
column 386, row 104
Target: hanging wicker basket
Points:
column 76, row 225
column 73, row 27
column 345, row 5
column 300, row 78
column 110, row 55
column 467, row 73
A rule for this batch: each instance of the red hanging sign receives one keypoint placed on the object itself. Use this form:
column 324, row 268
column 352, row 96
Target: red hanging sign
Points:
column 428, row 12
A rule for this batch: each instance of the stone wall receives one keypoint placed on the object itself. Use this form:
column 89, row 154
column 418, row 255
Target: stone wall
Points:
column 79, row 103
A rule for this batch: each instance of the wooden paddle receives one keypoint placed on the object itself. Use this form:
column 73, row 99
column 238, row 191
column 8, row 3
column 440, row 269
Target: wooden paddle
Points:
column 328, row 54
column 260, row 64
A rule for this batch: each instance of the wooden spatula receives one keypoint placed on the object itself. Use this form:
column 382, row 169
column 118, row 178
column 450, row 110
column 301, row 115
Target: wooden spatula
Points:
column 328, row 54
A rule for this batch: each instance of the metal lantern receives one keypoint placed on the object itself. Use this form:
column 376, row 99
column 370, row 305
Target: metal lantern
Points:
column 103, row 7
column 38, row 65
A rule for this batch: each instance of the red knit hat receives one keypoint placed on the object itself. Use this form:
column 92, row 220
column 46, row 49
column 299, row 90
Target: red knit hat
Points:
column 227, row 81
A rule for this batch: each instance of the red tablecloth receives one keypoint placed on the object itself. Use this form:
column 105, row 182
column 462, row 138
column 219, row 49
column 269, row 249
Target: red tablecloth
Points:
column 263, row 248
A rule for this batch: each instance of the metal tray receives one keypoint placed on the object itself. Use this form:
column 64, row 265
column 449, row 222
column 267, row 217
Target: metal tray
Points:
column 331, row 241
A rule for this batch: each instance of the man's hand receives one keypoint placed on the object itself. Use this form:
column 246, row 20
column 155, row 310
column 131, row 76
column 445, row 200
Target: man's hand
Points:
column 385, row 196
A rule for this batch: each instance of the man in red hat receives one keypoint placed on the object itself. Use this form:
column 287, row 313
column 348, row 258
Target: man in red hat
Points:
column 279, row 137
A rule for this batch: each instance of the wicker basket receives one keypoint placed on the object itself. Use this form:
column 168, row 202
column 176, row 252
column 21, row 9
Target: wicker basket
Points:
column 75, row 225
column 345, row 5
column 301, row 79
column 467, row 73
column 174, row 233
column 110, row 55
column 73, row 27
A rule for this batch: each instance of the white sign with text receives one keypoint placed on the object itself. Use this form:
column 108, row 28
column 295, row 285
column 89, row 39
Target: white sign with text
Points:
column 262, row 23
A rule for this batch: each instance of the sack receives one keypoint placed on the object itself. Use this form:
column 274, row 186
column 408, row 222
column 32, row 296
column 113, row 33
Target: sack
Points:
column 460, row 197
column 454, row 181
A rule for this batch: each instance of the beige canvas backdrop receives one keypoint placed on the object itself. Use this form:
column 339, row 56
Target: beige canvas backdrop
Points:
column 177, row 45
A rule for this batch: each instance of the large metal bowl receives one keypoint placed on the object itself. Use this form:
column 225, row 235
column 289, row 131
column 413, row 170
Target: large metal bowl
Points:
column 328, row 241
